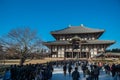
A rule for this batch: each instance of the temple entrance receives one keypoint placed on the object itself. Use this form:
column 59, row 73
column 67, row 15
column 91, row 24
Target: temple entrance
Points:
column 77, row 55
column 68, row 54
column 84, row 55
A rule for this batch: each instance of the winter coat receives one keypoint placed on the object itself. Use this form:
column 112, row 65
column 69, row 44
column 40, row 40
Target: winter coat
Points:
column 96, row 71
column 75, row 75
column 7, row 75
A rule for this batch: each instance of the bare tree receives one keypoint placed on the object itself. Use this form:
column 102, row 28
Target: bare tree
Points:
column 1, row 53
column 23, row 41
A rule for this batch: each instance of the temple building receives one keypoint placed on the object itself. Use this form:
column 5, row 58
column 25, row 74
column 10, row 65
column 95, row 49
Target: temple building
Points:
column 77, row 41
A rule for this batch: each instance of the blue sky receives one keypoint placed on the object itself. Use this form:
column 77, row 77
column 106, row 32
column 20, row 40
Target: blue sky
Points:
column 50, row 15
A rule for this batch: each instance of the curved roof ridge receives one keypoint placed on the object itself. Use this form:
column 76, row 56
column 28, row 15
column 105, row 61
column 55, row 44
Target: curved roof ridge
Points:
column 60, row 29
column 93, row 28
column 77, row 29
column 86, row 27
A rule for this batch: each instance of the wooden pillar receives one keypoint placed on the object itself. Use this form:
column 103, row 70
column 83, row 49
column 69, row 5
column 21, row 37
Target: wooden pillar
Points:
column 64, row 52
column 80, row 49
column 51, row 52
column 86, row 54
column 72, row 53
column 64, row 49
column 78, row 54
column 90, row 47
column 89, row 52
column 64, row 56
column 56, row 53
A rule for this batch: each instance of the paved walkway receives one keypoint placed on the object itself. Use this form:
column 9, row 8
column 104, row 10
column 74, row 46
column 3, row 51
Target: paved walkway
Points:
column 58, row 75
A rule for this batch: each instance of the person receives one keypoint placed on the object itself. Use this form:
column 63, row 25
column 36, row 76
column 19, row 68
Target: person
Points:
column 87, row 73
column 75, row 74
column 69, row 69
column 96, row 72
column 117, row 75
column 83, row 69
column 92, row 75
column 113, row 70
column 107, row 69
column 38, row 76
column 7, row 75
column 64, row 69
column 13, row 72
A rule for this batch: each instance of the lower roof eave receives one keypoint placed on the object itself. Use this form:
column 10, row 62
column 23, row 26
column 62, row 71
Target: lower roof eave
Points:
column 50, row 44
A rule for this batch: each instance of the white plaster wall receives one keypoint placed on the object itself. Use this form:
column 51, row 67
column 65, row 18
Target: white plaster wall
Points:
column 53, row 55
column 95, row 51
column 92, row 53
column 60, row 53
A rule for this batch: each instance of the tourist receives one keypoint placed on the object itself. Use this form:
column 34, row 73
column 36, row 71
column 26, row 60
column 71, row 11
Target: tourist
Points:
column 117, row 75
column 83, row 69
column 64, row 69
column 69, row 69
column 113, row 70
column 7, row 75
column 75, row 74
column 13, row 70
column 92, row 75
column 87, row 73
column 96, row 72
column 38, row 76
column 107, row 68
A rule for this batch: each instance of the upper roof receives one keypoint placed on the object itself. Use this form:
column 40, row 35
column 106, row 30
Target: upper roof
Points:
column 76, row 29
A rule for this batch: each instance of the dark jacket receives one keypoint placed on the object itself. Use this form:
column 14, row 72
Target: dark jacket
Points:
column 75, row 75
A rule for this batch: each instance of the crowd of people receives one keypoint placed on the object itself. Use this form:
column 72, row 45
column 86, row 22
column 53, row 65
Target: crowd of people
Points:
column 91, row 71
column 29, row 72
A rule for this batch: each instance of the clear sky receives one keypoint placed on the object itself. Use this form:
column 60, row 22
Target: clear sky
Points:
column 50, row 15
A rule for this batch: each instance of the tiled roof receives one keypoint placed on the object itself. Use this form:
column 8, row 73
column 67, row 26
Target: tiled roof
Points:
column 56, row 43
column 107, row 54
column 76, row 29
column 100, row 42
column 112, row 53
column 85, row 42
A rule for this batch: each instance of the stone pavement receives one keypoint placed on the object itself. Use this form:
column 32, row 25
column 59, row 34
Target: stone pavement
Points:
column 58, row 75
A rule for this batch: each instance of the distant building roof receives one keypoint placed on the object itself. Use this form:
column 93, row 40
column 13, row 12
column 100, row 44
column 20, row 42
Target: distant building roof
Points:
column 76, row 29
column 107, row 54
column 86, row 42
column 99, row 55
column 112, row 53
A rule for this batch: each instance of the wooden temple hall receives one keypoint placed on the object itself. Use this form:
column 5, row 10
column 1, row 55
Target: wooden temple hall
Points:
column 77, row 42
